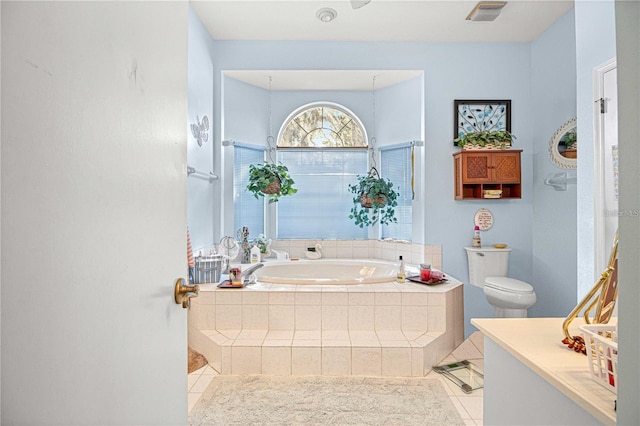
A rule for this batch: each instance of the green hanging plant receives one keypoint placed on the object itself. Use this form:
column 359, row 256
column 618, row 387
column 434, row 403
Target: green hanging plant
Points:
column 270, row 180
column 374, row 200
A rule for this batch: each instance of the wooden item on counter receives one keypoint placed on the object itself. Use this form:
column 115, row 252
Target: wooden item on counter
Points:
column 602, row 296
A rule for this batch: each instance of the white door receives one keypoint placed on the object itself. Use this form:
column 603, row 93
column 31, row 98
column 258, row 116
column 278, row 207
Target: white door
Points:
column 606, row 163
column 94, row 103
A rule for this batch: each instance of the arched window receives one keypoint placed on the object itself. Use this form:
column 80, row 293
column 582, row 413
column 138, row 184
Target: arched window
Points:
column 325, row 148
column 322, row 126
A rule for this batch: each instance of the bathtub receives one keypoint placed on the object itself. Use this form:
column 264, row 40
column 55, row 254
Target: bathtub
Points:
column 327, row 317
column 327, row 272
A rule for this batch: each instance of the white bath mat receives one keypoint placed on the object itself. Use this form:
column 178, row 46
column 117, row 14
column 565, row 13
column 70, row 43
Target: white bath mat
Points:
column 275, row 400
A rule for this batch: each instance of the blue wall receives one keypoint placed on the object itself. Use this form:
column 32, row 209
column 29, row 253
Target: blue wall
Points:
column 400, row 112
column 201, row 213
column 246, row 112
column 245, row 109
column 553, row 64
column 477, row 71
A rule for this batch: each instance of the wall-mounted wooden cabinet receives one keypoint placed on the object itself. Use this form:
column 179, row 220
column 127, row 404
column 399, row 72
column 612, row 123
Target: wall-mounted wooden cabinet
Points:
column 487, row 174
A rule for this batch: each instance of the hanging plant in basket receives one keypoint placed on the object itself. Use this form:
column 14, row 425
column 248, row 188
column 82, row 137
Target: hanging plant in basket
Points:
column 374, row 200
column 270, row 180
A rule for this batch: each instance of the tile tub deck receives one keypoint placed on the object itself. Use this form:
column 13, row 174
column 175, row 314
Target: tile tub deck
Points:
column 387, row 329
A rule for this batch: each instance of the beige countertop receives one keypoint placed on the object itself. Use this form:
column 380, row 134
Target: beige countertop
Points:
column 537, row 343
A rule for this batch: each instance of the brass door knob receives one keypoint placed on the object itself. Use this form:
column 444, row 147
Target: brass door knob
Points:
column 183, row 292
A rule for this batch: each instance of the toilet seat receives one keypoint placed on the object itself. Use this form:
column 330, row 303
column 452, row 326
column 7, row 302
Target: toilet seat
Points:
column 508, row 285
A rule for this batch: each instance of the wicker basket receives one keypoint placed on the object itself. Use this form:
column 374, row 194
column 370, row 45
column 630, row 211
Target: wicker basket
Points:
column 367, row 202
column 489, row 146
column 601, row 341
column 207, row 269
column 273, row 187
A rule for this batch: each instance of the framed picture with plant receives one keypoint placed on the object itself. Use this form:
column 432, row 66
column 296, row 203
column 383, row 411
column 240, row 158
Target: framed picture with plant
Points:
column 480, row 115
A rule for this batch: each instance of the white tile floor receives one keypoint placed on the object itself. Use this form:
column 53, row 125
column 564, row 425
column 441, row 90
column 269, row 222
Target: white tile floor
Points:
column 468, row 405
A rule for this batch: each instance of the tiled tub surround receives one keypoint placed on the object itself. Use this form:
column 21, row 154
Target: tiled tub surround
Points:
column 387, row 329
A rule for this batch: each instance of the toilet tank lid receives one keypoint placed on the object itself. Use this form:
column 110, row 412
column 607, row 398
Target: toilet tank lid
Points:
column 510, row 285
column 486, row 249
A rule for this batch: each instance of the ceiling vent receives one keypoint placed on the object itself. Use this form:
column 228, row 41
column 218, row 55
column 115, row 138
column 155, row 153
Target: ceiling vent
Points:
column 486, row 11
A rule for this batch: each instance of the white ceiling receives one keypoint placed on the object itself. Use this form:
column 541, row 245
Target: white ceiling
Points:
column 380, row 20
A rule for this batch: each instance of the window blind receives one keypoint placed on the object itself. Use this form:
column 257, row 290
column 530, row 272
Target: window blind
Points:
column 320, row 209
column 396, row 165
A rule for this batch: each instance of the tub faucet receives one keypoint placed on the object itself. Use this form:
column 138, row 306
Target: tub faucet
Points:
column 248, row 273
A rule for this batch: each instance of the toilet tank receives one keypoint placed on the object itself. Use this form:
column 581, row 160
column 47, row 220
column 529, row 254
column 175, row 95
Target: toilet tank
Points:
column 487, row 262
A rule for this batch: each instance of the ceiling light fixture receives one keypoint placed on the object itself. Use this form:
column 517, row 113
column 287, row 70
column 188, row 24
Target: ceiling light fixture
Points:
column 486, row 11
column 326, row 14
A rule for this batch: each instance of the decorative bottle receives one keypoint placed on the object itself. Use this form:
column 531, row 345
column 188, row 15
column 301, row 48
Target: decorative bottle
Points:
column 401, row 274
column 476, row 237
column 255, row 254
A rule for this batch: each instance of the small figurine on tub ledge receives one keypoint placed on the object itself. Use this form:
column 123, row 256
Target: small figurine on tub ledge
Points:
column 313, row 252
column 280, row 255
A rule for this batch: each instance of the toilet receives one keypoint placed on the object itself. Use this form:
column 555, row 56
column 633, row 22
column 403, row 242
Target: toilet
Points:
column 488, row 269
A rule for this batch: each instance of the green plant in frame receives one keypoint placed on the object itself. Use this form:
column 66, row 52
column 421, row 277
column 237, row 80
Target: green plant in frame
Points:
column 374, row 200
column 499, row 138
column 570, row 138
column 271, row 180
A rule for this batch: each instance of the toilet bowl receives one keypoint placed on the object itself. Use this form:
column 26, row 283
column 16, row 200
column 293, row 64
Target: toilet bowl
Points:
column 509, row 297
column 488, row 268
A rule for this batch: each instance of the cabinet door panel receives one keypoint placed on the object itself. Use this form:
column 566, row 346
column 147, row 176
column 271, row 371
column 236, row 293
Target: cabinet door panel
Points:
column 506, row 167
column 475, row 168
